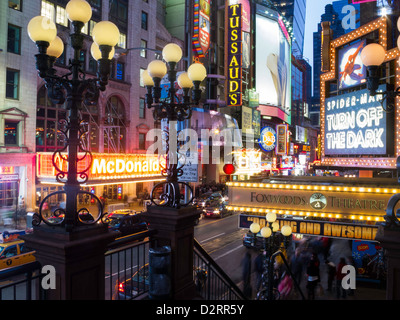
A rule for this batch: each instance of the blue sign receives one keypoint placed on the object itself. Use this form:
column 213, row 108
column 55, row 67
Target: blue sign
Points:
column 267, row 139
column 356, row 124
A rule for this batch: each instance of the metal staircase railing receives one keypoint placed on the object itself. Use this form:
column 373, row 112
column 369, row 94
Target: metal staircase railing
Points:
column 212, row 283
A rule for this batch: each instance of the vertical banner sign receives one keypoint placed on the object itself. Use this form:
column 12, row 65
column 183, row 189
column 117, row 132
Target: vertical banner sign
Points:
column 234, row 54
column 201, row 27
column 281, row 146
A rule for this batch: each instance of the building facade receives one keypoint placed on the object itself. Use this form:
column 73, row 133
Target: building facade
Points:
column 30, row 123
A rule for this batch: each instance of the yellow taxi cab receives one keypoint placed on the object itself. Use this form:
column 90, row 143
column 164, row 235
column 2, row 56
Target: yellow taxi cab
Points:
column 13, row 252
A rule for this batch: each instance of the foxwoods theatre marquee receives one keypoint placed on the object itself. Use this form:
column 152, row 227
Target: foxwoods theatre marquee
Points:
column 316, row 208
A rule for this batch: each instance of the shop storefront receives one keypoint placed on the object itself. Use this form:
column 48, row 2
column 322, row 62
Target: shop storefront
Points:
column 17, row 182
column 114, row 178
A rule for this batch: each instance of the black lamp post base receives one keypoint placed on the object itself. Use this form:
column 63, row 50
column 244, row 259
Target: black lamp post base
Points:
column 78, row 259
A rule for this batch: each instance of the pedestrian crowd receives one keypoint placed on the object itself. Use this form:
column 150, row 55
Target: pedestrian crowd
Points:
column 305, row 266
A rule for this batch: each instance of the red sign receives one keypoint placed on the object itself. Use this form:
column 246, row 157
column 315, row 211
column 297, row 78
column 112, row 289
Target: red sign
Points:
column 104, row 166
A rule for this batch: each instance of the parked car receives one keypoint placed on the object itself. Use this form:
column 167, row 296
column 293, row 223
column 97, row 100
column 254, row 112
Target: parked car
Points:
column 137, row 284
column 251, row 241
column 14, row 253
column 126, row 221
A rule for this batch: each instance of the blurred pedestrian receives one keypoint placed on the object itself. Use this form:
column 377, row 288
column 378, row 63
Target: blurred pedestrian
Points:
column 313, row 276
column 246, row 274
column 259, row 268
column 297, row 266
column 340, row 291
column 331, row 273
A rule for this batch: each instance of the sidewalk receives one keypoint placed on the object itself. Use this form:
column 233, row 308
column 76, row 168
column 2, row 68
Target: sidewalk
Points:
column 364, row 290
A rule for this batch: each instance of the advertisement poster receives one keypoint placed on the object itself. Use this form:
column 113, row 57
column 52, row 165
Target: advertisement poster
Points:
column 281, row 147
column 204, row 31
column 368, row 260
column 356, row 123
column 351, row 70
column 287, row 162
column 268, row 139
column 273, row 59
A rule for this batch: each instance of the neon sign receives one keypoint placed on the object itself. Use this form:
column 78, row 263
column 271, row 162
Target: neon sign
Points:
column 121, row 165
column 355, row 123
column 104, row 166
column 234, row 53
column 201, row 27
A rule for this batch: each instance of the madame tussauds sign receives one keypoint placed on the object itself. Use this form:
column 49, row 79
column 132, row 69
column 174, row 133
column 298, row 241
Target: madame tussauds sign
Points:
column 356, row 123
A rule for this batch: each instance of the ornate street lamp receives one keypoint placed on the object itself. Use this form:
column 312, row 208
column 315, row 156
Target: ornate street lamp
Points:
column 173, row 110
column 74, row 88
column 272, row 247
column 372, row 56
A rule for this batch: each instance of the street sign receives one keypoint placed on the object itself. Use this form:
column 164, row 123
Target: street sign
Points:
column 190, row 169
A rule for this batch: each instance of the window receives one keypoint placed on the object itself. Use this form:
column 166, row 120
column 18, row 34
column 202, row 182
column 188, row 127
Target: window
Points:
column 8, row 193
column 120, row 74
column 143, row 44
column 122, row 41
column 15, row 4
column 61, row 16
column 142, row 141
column 14, row 39
column 114, row 126
column 144, row 20
column 12, row 84
column 91, row 26
column 141, row 83
column 142, row 109
column 85, row 28
column 82, row 58
column 48, row 125
column 61, row 59
column 11, row 133
column 119, row 10
column 47, row 10
column 92, row 64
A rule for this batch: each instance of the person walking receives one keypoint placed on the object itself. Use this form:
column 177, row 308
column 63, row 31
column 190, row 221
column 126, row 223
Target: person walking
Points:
column 313, row 276
column 339, row 277
column 297, row 266
column 259, row 268
column 331, row 267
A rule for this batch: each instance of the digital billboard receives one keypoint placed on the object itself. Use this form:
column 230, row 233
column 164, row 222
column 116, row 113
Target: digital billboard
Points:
column 273, row 60
column 351, row 70
column 357, row 124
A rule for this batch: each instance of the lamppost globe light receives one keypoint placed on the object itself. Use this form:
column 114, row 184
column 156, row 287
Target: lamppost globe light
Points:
column 96, row 53
column 172, row 53
column 197, row 72
column 266, row 232
column 147, row 80
column 41, row 29
column 157, row 69
column 184, row 80
column 398, row 24
column 271, row 217
column 56, row 47
column 78, row 10
column 275, row 226
column 105, row 33
column 255, row 228
column 373, row 55
column 286, row 231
